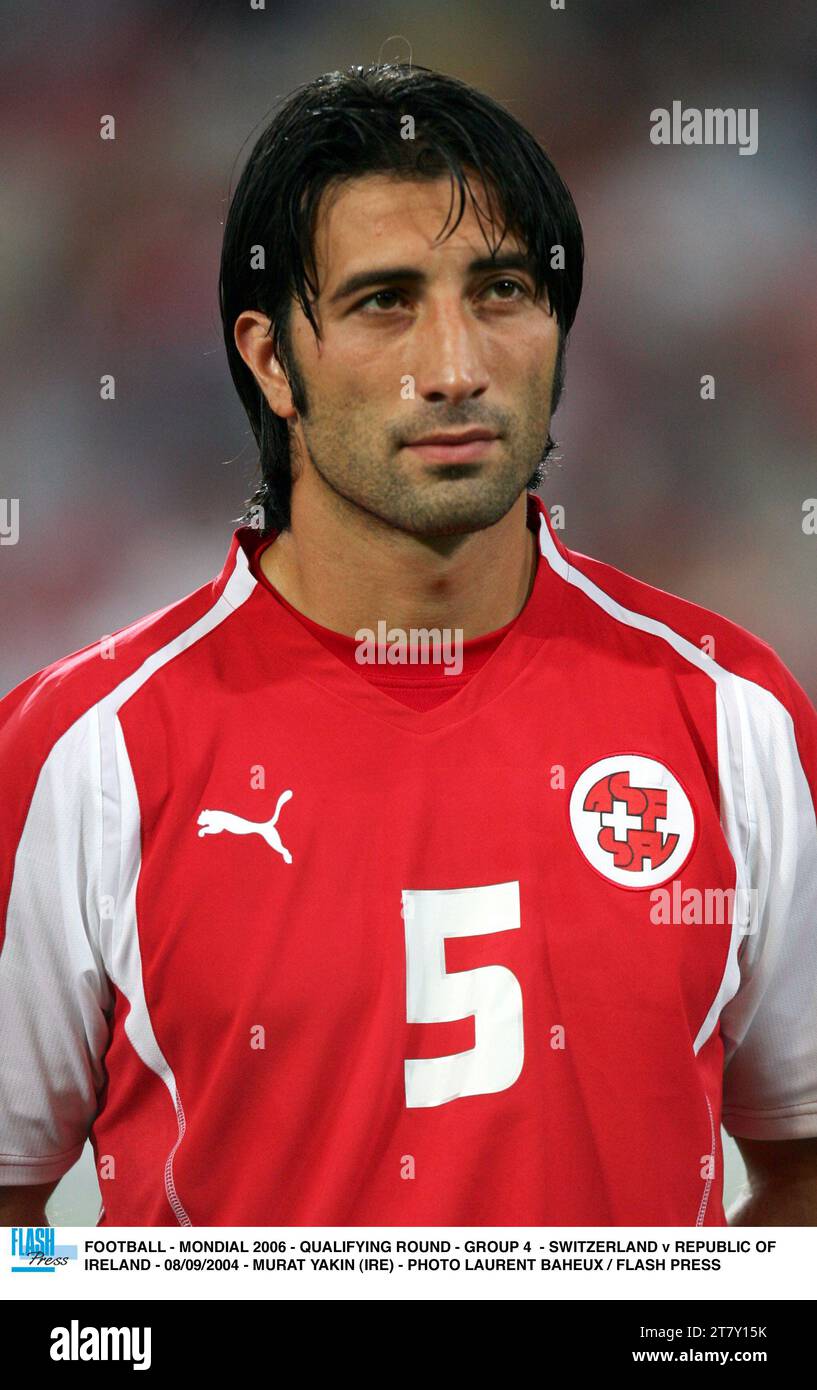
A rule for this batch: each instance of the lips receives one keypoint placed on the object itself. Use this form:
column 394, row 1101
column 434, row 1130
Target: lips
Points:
column 467, row 447
column 454, row 438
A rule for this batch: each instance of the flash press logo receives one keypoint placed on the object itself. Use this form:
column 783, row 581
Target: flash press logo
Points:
column 75, row 1343
column 34, row 1250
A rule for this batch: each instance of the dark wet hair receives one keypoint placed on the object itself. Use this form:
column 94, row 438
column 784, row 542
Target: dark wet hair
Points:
column 345, row 125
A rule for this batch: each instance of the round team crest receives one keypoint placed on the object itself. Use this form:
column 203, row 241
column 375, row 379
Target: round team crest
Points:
column 632, row 820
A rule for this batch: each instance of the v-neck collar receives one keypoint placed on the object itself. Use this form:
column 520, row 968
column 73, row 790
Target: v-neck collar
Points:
column 292, row 641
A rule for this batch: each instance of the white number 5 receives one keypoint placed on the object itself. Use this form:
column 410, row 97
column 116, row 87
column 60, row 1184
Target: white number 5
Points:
column 491, row 993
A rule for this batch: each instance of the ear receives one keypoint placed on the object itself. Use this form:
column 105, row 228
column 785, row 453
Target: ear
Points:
column 251, row 333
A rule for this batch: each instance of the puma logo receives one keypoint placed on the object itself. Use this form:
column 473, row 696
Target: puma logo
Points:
column 213, row 822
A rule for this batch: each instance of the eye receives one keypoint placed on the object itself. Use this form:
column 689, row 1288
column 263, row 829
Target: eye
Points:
column 514, row 284
column 379, row 295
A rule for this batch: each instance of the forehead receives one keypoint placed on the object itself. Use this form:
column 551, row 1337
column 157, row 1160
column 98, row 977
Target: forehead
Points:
column 388, row 214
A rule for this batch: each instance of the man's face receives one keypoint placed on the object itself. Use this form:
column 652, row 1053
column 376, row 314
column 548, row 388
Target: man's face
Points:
column 423, row 342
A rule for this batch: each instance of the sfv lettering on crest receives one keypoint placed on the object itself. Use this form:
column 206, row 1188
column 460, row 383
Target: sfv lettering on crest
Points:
column 213, row 822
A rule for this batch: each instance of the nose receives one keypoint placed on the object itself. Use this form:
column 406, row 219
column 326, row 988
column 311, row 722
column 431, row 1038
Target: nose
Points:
column 450, row 361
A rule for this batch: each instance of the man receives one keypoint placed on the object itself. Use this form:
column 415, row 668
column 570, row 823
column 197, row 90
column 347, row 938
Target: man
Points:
column 303, row 938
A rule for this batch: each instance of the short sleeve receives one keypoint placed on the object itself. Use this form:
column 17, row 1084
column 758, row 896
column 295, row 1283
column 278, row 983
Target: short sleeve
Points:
column 769, row 1027
column 55, row 997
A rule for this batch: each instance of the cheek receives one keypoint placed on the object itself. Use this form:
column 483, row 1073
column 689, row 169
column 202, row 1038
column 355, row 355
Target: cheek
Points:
column 355, row 368
column 526, row 348
column 365, row 382
column 525, row 386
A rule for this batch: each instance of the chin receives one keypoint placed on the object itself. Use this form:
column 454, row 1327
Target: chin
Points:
column 456, row 515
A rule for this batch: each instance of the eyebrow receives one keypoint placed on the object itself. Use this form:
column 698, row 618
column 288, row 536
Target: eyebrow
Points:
column 406, row 274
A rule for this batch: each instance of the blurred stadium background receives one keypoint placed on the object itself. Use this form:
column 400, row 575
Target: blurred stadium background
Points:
column 699, row 260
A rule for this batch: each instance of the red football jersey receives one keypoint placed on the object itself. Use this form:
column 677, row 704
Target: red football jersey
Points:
column 293, row 952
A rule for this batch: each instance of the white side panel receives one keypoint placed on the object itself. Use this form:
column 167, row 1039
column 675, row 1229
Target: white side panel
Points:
column 53, row 991
column 770, row 1026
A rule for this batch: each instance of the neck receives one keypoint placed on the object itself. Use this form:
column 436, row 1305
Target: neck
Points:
column 345, row 569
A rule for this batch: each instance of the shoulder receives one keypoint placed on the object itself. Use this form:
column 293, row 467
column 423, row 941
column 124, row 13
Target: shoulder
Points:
column 45, row 706
column 767, row 716
column 691, row 628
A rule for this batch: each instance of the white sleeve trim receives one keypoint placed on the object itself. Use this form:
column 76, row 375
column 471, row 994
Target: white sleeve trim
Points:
column 793, row 1124
column 25, row 1170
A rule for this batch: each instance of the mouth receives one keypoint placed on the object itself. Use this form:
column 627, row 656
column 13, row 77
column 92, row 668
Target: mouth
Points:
column 466, row 447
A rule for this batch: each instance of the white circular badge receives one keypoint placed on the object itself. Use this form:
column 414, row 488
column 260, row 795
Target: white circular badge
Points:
column 632, row 820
